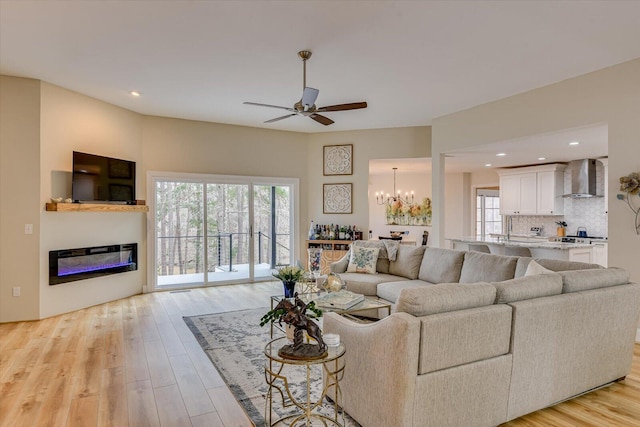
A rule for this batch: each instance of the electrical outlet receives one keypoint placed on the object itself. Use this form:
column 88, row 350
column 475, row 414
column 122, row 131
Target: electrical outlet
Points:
column 16, row 291
column 28, row 229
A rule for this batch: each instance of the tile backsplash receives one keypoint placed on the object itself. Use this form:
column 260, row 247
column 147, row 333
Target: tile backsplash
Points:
column 587, row 212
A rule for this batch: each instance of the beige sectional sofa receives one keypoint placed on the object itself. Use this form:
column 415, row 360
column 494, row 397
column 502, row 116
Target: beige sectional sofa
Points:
column 473, row 341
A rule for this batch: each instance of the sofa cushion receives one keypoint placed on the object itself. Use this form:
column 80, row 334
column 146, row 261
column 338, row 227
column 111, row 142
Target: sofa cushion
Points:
column 382, row 266
column 367, row 284
column 552, row 264
column 391, row 290
column 441, row 265
column 407, row 263
column 363, row 260
column 372, row 244
column 341, row 265
column 534, row 269
column 522, row 288
column 481, row 267
column 584, row 280
column 444, row 297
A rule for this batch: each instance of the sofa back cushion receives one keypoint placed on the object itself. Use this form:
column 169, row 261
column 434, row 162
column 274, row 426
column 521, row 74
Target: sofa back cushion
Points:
column 441, row 265
column 445, row 297
column 584, row 280
column 522, row 288
column 481, row 267
column 407, row 262
column 552, row 264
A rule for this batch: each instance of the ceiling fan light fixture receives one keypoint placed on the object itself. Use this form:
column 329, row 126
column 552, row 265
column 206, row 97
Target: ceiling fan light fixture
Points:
column 306, row 106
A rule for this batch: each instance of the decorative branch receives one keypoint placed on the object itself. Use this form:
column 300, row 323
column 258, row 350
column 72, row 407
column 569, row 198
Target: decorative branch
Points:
column 630, row 184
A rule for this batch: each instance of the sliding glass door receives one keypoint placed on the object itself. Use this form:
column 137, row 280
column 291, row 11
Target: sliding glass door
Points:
column 219, row 229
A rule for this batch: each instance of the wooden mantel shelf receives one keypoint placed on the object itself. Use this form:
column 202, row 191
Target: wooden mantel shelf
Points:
column 91, row 207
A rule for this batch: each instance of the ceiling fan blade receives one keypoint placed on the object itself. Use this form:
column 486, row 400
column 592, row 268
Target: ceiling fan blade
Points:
column 280, row 118
column 322, row 119
column 309, row 96
column 270, row 106
column 343, row 107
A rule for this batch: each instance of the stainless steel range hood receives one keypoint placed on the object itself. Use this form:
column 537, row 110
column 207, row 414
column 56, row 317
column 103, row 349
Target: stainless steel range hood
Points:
column 583, row 179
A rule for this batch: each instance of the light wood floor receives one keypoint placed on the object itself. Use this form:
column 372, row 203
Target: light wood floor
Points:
column 133, row 362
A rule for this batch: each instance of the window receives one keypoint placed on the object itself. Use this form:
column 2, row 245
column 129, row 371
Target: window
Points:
column 211, row 229
column 488, row 218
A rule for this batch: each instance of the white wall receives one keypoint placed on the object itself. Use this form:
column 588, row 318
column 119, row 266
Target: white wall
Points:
column 71, row 121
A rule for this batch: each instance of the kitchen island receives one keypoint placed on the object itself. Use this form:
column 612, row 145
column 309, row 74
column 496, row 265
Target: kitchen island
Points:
column 540, row 247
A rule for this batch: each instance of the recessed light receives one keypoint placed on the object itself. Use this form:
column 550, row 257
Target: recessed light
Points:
column 574, row 143
column 487, row 165
column 542, row 158
column 134, row 93
column 501, row 154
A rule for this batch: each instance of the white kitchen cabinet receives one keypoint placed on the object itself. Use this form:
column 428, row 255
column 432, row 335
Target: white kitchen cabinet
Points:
column 535, row 190
column 550, row 189
column 581, row 254
column 518, row 194
column 600, row 254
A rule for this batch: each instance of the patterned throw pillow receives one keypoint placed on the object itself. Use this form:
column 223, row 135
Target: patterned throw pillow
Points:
column 363, row 260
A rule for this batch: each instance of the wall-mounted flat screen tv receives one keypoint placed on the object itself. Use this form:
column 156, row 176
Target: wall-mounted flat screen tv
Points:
column 103, row 179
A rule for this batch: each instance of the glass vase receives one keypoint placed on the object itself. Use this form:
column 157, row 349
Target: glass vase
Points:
column 289, row 288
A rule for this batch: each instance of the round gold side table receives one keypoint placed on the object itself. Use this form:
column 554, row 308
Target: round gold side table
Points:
column 276, row 377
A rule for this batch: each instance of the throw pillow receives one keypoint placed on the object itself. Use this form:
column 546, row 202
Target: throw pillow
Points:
column 407, row 263
column 534, row 269
column 363, row 260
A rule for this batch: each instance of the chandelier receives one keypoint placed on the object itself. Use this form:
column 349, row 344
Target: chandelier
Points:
column 381, row 199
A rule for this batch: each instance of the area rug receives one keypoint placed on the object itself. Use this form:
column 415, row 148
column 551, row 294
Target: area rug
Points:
column 234, row 341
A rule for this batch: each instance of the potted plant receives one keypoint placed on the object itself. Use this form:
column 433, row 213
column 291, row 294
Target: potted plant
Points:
column 298, row 316
column 289, row 276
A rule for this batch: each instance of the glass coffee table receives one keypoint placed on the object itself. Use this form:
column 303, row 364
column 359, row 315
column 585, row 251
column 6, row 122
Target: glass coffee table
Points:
column 369, row 303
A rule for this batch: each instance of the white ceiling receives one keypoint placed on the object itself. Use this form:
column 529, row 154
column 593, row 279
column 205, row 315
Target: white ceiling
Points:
column 554, row 147
column 410, row 60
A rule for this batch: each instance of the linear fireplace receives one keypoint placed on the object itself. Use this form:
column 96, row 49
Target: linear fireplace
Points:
column 68, row 265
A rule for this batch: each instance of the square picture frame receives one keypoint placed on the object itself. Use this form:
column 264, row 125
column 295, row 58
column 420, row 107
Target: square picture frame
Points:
column 337, row 198
column 337, row 160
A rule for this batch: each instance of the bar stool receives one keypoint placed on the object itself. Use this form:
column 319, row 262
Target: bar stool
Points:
column 517, row 251
column 476, row 247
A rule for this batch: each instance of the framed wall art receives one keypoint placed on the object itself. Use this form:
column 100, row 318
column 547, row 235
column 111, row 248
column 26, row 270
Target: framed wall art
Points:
column 338, row 159
column 337, row 198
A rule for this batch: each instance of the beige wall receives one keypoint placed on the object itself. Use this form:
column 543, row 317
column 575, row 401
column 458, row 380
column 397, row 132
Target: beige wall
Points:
column 19, row 197
column 71, row 121
column 394, row 143
column 610, row 96
column 174, row 145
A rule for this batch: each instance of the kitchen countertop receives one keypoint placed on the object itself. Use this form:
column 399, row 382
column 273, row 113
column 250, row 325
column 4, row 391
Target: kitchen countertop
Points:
column 524, row 241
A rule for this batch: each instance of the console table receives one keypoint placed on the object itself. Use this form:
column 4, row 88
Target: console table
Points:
column 303, row 408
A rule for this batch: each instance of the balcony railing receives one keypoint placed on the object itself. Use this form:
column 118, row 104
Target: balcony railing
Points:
column 224, row 251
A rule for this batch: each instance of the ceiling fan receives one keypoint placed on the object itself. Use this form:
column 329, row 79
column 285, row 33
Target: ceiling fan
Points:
column 306, row 106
